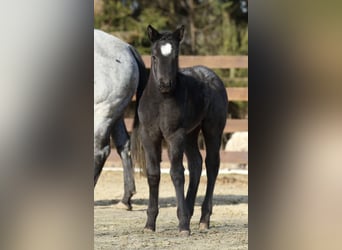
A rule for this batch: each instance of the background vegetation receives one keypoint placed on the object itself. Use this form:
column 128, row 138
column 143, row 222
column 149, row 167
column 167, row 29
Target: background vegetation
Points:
column 213, row 27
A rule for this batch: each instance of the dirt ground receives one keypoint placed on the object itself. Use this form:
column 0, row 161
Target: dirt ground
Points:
column 115, row 228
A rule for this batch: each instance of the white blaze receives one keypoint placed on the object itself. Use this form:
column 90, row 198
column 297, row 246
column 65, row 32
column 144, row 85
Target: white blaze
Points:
column 166, row 49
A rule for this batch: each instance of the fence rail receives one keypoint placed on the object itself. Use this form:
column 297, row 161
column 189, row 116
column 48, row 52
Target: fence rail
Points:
column 214, row 62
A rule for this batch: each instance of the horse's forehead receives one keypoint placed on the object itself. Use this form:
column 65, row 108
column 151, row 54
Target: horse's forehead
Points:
column 166, row 49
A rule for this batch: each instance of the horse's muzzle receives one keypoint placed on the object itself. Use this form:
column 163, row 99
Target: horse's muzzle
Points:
column 165, row 87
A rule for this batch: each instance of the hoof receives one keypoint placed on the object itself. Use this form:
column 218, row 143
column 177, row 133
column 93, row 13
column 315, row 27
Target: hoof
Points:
column 203, row 226
column 184, row 233
column 148, row 230
column 123, row 206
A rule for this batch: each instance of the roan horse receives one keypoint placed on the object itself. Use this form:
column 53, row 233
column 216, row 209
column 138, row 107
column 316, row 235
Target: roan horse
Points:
column 118, row 73
column 175, row 106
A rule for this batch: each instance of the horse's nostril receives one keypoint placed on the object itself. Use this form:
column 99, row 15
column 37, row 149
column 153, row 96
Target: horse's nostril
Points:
column 165, row 83
column 165, row 86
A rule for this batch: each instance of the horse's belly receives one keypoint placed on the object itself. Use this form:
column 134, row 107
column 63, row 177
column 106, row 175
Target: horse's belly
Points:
column 194, row 115
column 190, row 126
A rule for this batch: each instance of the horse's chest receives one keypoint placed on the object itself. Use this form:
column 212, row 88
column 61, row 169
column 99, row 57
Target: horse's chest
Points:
column 167, row 117
column 170, row 121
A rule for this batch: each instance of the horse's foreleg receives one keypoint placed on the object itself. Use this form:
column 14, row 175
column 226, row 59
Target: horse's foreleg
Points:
column 122, row 143
column 176, row 150
column 152, row 148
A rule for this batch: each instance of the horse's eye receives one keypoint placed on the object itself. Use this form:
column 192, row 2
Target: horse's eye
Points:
column 154, row 60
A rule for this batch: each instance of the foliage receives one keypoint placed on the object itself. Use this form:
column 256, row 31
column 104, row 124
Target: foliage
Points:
column 213, row 26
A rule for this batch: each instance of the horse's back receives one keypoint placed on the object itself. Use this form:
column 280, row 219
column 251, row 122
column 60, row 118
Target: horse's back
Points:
column 108, row 46
column 209, row 82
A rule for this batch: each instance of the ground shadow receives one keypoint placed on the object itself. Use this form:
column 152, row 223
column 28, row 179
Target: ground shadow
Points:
column 171, row 201
column 105, row 202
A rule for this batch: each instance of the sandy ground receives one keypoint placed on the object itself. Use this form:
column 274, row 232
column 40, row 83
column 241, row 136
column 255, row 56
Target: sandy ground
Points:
column 115, row 228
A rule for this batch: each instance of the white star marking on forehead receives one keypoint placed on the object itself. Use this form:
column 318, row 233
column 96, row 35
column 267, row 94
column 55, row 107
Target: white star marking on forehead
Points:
column 166, row 49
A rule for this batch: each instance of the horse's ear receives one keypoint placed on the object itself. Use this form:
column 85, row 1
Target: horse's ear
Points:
column 179, row 33
column 152, row 33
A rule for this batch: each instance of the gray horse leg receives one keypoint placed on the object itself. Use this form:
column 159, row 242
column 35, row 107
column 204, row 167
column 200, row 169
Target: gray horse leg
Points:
column 122, row 143
column 101, row 152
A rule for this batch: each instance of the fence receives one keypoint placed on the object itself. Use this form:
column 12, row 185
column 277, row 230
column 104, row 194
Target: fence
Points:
column 234, row 94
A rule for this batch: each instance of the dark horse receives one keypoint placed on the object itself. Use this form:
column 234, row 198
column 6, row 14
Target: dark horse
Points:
column 175, row 106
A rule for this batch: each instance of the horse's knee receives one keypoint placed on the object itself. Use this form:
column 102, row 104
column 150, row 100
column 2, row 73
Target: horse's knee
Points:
column 124, row 150
column 195, row 165
column 120, row 137
column 177, row 175
column 153, row 179
column 212, row 161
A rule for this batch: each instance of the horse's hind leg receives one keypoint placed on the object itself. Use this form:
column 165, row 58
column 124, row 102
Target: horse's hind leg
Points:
column 101, row 152
column 195, row 167
column 122, row 143
column 212, row 137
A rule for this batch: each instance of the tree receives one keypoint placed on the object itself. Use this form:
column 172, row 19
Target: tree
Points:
column 212, row 27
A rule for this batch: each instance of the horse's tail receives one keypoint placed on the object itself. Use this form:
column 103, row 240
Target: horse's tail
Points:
column 137, row 150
